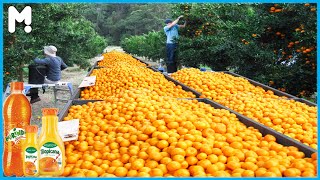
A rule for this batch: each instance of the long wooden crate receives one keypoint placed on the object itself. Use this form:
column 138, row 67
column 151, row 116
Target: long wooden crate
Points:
column 264, row 130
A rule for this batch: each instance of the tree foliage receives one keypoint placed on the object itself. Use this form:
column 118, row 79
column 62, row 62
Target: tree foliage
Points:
column 61, row 25
column 118, row 21
column 149, row 45
column 271, row 43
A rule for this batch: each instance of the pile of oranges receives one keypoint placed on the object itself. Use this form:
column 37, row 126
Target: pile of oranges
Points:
column 294, row 119
column 115, row 79
column 138, row 133
column 114, row 58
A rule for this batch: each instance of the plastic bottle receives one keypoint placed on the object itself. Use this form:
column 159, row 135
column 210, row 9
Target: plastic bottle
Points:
column 31, row 152
column 51, row 147
column 16, row 115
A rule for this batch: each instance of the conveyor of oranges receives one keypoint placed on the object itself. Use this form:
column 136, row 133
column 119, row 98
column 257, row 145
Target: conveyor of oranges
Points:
column 294, row 119
column 113, row 58
column 139, row 133
column 115, row 79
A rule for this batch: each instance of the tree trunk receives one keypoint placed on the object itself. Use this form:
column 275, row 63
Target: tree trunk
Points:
column 20, row 72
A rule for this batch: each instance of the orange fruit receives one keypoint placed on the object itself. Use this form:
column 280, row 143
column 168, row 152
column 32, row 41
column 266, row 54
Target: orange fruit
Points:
column 156, row 172
column 232, row 165
column 181, row 173
column 90, row 173
column 173, row 165
column 202, row 156
column 132, row 173
column 290, row 172
column 192, row 160
column 212, row 168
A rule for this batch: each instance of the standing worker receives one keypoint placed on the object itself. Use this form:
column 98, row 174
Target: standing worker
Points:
column 171, row 30
column 54, row 67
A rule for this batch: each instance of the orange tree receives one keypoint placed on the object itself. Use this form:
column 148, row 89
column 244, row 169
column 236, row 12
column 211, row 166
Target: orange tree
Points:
column 52, row 24
column 150, row 45
column 293, row 36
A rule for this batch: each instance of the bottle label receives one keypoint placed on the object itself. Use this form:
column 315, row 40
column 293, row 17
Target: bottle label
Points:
column 15, row 135
column 50, row 157
column 31, row 161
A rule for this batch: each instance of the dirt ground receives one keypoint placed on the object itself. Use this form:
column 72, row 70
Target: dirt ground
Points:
column 75, row 75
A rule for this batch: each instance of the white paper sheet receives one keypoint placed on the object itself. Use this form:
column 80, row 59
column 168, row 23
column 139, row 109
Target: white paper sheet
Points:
column 69, row 130
column 88, row 81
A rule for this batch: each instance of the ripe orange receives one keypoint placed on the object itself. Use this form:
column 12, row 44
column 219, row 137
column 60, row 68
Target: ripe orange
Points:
column 202, row 156
column 290, row 172
column 137, row 164
column 192, row 160
column 173, row 166
column 181, row 173
column 232, row 165
column 156, row 172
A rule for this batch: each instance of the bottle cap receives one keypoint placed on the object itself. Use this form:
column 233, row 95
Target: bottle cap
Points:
column 32, row 129
column 16, row 86
column 50, row 111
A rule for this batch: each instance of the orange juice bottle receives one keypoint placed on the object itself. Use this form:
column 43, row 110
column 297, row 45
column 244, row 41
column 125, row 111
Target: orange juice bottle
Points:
column 16, row 115
column 52, row 152
column 31, row 152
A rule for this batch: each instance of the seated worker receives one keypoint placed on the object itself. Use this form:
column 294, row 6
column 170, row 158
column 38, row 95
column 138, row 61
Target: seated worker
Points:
column 54, row 66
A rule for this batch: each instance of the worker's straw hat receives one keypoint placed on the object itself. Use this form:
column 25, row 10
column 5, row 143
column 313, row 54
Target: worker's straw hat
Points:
column 50, row 51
